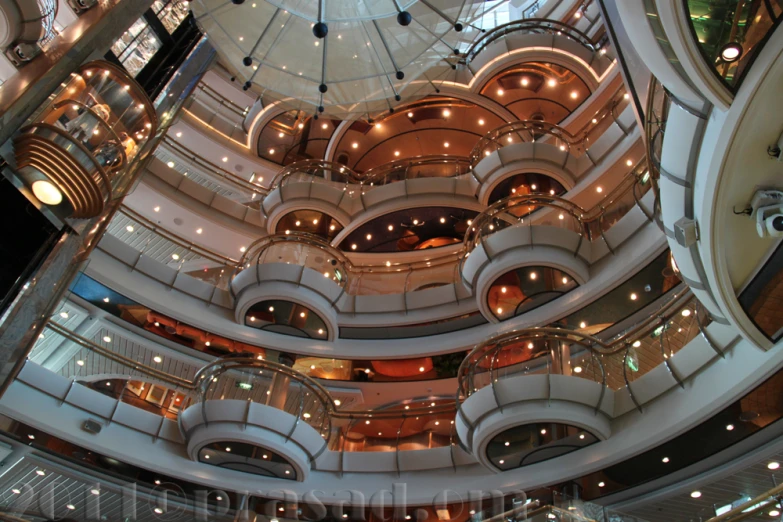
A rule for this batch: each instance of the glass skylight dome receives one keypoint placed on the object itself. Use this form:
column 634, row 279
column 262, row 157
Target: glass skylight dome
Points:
column 366, row 64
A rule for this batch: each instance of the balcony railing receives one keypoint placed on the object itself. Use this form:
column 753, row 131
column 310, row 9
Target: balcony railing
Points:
column 316, row 253
column 614, row 362
column 214, row 177
column 556, row 211
column 574, row 143
column 532, row 26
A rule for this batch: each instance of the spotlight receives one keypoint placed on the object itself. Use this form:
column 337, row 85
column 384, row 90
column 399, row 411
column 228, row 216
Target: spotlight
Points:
column 731, row 52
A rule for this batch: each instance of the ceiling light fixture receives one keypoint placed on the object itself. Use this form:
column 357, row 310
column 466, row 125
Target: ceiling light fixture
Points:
column 731, row 52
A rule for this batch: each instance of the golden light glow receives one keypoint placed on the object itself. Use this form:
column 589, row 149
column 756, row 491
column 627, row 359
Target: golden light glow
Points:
column 46, row 192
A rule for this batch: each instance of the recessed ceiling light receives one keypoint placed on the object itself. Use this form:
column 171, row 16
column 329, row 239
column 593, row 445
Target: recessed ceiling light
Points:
column 686, row 312
column 410, row 115
column 574, row 95
column 729, row 427
column 500, row 92
column 543, row 432
column 731, row 52
column 599, row 189
column 629, row 162
column 577, row 369
column 695, row 494
column 481, row 121
column 157, row 359
column 583, row 325
column 525, row 82
column 634, row 297
column 773, row 465
column 500, row 311
column 369, row 237
column 70, row 507
column 665, row 460
column 446, row 144
column 225, row 159
column 637, row 344
column 64, row 315
column 396, row 153
column 156, row 209
column 199, row 231
column 446, row 113
column 106, row 339
column 40, row 472
column 501, row 461
column 355, row 145
column 324, row 126
column 601, row 484
column 552, row 82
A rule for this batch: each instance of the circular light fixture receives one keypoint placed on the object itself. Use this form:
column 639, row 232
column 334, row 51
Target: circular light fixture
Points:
column 695, row 494
column 46, row 192
column 773, row 465
column 665, row 460
column 729, row 427
column 731, row 52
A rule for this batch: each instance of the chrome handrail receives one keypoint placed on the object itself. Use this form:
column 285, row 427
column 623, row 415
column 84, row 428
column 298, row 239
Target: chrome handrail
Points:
column 530, row 130
column 530, row 25
column 466, row 383
column 213, row 169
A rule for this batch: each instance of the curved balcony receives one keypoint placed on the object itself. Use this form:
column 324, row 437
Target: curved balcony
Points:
column 218, row 112
column 76, row 151
column 188, row 167
column 341, row 193
column 545, row 377
column 571, row 46
column 576, row 143
column 533, row 26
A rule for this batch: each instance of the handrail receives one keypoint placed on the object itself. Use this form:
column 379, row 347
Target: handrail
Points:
column 178, row 240
column 314, row 167
column 173, row 380
column 253, row 255
column 503, row 209
column 213, row 169
column 212, row 371
column 597, row 346
column 531, row 130
column 371, row 176
column 530, row 25
column 215, row 95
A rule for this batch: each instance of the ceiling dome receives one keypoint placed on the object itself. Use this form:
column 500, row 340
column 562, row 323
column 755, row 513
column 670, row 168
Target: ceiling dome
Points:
column 356, row 61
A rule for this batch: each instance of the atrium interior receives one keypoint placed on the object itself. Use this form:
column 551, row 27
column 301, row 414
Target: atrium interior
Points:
column 391, row 260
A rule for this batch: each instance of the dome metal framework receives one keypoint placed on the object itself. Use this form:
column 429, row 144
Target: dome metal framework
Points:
column 344, row 58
